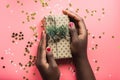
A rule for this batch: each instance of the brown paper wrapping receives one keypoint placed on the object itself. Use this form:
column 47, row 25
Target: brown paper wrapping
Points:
column 61, row 48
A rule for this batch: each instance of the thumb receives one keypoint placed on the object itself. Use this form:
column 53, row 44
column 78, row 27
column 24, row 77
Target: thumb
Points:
column 73, row 31
column 50, row 58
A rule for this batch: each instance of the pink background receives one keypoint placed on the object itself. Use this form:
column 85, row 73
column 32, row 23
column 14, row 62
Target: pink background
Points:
column 102, row 19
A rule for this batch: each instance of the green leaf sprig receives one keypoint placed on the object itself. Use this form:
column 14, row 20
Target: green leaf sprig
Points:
column 57, row 33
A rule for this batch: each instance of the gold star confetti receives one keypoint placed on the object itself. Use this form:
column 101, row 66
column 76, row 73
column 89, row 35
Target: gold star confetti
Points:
column 87, row 10
column 91, row 14
column 32, row 18
column 32, row 28
column 77, row 10
column 44, row 4
column 98, row 68
column 33, row 14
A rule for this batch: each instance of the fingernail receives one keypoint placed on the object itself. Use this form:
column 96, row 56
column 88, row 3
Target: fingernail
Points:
column 48, row 49
column 43, row 32
column 71, row 24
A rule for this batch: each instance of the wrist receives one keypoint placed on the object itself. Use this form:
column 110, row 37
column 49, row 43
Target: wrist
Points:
column 78, row 57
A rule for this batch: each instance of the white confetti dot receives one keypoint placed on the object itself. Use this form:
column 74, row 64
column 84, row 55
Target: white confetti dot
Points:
column 16, row 71
column 11, row 11
column 109, row 75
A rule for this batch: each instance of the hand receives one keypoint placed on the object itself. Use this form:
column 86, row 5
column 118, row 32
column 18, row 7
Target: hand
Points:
column 79, row 37
column 45, row 61
column 78, row 34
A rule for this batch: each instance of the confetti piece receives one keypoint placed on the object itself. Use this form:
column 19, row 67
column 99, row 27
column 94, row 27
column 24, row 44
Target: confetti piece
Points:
column 18, row 2
column 91, row 14
column 70, row 4
column 93, row 37
column 35, row 1
column 2, row 58
column 88, row 33
column 44, row 4
column 77, row 10
column 42, row 1
column 99, row 19
column 98, row 68
column 99, row 37
column 66, row 9
column 27, row 71
column 8, row 5
column 103, row 13
column 50, row 12
column 21, row 4
column 113, row 36
column 22, row 11
column 33, row 14
column 103, row 33
column 26, row 13
column 87, row 10
column 34, row 74
column 103, row 9
column 17, row 36
column 23, row 22
column 85, row 17
column 23, row 77
column 3, row 66
column 96, row 61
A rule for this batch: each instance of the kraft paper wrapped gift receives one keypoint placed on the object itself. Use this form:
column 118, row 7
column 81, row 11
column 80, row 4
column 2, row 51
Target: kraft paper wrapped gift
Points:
column 58, row 37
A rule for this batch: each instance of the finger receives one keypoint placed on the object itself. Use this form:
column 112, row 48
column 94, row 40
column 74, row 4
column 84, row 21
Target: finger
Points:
column 73, row 31
column 72, row 15
column 41, row 55
column 50, row 58
column 82, row 29
column 81, row 24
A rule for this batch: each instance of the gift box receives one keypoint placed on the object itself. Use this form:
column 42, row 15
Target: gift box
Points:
column 58, row 37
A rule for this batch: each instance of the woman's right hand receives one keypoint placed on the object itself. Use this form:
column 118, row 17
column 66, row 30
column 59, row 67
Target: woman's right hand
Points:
column 79, row 37
column 78, row 33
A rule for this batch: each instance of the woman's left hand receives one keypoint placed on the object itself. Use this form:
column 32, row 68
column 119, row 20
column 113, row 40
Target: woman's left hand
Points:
column 45, row 62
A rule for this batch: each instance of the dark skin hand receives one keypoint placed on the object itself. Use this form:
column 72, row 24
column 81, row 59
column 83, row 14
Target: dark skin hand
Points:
column 79, row 37
column 46, row 63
